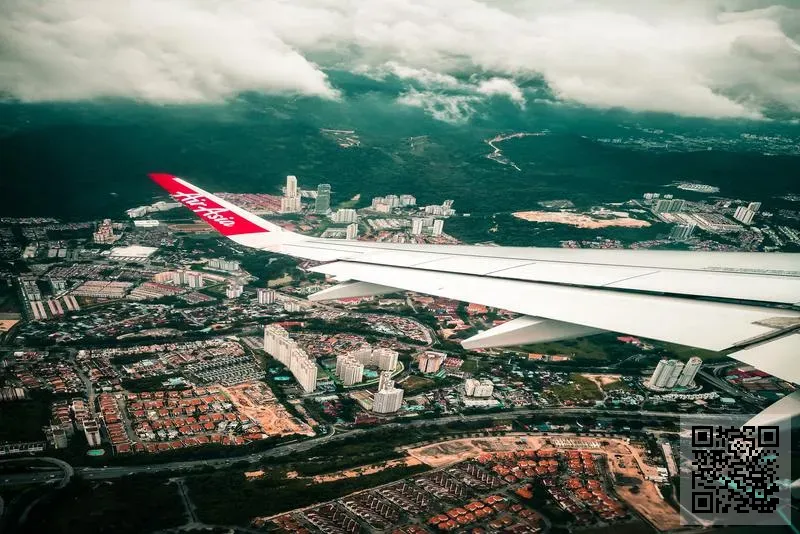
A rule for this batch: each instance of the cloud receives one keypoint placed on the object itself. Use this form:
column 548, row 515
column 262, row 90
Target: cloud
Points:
column 455, row 109
column 708, row 58
column 177, row 51
column 502, row 86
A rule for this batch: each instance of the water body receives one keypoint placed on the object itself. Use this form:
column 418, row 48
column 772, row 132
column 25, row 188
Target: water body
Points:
column 89, row 160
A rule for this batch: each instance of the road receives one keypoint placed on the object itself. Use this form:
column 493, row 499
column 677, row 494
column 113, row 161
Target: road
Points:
column 103, row 473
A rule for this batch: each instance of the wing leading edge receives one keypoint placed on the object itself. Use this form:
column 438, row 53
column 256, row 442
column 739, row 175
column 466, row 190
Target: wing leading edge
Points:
column 745, row 304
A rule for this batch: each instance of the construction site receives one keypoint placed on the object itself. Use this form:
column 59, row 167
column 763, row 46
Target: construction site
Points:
column 256, row 401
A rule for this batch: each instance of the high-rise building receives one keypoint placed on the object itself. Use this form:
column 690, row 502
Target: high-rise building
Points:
column 431, row 361
column 388, row 399
column 290, row 202
column 223, row 265
column 416, row 226
column 194, row 279
column 322, row 205
column 105, row 233
column 478, row 388
column 689, row 372
column 349, row 370
column 292, row 306
column 682, row 232
column 392, row 200
column 265, row 296
column 92, row 431
column 385, row 359
column 407, row 200
column 744, row 215
column 343, row 216
column 280, row 346
column 667, row 373
column 234, row 290
column 179, row 277
column 754, row 206
column 669, row 205
column 438, row 226
column 352, row 231
column 291, row 186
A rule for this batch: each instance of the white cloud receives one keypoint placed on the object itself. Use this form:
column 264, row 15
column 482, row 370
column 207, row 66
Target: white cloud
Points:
column 502, row 86
column 712, row 58
column 177, row 51
column 455, row 109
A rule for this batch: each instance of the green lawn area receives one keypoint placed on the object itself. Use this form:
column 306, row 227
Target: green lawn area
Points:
column 417, row 384
column 579, row 388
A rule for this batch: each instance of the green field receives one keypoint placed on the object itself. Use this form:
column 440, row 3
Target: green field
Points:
column 579, row 388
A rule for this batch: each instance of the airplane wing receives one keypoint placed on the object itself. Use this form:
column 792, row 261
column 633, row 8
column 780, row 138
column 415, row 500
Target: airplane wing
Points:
column 746, row 305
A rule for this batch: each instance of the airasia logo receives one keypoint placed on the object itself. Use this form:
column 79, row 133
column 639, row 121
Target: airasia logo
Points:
column 197, row 203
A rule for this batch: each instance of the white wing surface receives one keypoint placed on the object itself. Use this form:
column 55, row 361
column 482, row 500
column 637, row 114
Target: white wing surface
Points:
column 744, row 304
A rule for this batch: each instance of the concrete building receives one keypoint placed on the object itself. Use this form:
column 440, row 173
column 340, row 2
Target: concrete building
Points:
column 352, row 231
column 292, row 306
column 57, row 437
column 416, row 226
column 754, row 206
column 104, row 233
column 388, row 399
column 682, row 232
column 265, row 296
column 194, row 279
column 669, row 205
column 280, row 346
column 322, row 205
column 290, row 202
column 690, row 370
column 349, row 370
column 744, row 215
column 92, row 432
column 478, row 388
column 666, row 374
column 223, row 265
column 385, row 359
column 345, row 216
column 407, row 200
column 431, row 361
column 438, row 227
column 234, row 290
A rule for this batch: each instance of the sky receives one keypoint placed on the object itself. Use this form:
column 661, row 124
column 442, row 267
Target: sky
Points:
column 700, row 58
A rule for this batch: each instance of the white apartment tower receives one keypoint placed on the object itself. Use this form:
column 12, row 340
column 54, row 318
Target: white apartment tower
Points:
column 431, row 361
column 438, row 226
column 388, row 399
column 478, row 388
column 689, row 372
column 265, row 296
column 385, row 359
column 280, row 346
column 352, row 231
column 416, row 226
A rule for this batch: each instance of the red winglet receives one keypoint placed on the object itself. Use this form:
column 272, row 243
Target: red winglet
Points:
column 208, row 207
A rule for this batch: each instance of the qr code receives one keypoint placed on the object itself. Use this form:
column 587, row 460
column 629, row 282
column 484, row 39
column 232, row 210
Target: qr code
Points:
column 734, row 471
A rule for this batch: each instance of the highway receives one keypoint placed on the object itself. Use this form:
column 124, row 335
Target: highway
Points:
column 111, row 472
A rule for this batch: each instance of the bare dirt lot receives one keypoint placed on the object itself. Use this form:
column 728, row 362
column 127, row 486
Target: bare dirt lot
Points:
column 255, row 400
column 579, row 220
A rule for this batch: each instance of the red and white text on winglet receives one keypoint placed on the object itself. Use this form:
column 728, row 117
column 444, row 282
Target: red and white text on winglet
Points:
column 206, row 206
